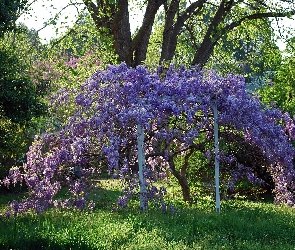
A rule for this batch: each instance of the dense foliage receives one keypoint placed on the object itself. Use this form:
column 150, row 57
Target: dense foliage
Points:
column 280, row 92
column 174, row 108
column 20, row 105
column 83, row 38
column 18, row 95
column 9, row 12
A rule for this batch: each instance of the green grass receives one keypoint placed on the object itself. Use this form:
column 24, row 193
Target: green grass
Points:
column 240, row 225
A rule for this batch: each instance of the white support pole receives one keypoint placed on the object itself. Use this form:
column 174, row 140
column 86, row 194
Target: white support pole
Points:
column 216, row 143
column 141, row 165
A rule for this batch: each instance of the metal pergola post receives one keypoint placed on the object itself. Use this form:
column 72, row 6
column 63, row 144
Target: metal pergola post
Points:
column 141, row 165
column 216, row 150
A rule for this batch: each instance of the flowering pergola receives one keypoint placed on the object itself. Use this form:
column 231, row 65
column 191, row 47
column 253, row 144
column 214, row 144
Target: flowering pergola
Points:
column 126, row 116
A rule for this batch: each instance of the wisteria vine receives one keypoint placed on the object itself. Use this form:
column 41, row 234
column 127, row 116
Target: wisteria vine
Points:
column 174, row 107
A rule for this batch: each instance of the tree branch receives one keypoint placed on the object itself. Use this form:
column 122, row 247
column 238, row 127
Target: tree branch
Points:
column 172, row 31
column 257, row 16
column 187, row 14
column 100, row 22
column 70, row 31
column 140, row 42
column 56, row 16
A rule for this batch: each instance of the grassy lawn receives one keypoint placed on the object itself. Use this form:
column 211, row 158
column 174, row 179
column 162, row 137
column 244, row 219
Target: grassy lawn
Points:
column 240, row 225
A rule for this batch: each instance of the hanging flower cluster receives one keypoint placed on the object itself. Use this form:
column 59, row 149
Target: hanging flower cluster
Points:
column 174, row 108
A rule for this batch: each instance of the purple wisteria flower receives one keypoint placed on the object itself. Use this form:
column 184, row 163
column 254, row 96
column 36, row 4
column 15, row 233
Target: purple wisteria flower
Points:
column 175, row 111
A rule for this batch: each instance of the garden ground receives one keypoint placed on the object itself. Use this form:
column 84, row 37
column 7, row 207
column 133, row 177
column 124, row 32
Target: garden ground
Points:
column 241, row 224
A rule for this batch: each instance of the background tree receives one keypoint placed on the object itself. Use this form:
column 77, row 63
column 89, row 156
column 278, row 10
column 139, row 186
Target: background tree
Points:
column 214, row 21
column 113, row 16
column 21, row 102
column 67, row 62
column 281, row 91
column 250, row 50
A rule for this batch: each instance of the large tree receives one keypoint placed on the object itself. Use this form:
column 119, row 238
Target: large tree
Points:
column 224, row 16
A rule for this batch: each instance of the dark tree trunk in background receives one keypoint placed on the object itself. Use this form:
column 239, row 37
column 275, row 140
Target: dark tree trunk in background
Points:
column 116, row 19
column 120, row 29
column 114, row 16
column 172, row 30
column 212, row 36
column 140, row 42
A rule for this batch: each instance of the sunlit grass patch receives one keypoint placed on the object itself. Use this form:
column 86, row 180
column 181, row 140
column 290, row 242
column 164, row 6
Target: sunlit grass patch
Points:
column 241, row 224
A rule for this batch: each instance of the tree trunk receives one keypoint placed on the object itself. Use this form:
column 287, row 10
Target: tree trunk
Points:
column 121, row 32
column 212, row 35
column 182, row 180
column 141, row 50
column 168, row 30
column 141, row 40
column 171, row 31
column 204, row 52
column 186, row 193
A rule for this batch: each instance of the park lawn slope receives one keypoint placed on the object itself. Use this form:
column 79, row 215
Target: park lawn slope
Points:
column 240, row 225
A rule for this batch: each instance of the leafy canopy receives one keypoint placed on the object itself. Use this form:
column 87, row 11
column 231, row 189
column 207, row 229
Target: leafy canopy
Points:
column 9, row 13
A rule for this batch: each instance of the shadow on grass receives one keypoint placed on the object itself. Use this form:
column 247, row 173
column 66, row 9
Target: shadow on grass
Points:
column 54, row 229
column 44, row 244
column 240, row 225
column 251, row 226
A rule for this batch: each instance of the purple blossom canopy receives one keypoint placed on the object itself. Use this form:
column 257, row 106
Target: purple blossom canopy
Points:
column 174, row 107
